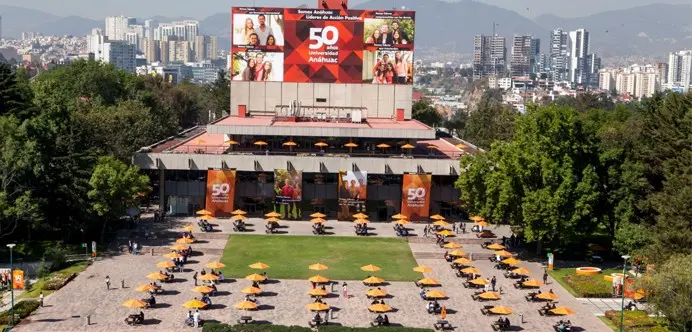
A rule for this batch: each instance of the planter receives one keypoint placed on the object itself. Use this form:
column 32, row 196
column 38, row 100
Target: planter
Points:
column 588, row 271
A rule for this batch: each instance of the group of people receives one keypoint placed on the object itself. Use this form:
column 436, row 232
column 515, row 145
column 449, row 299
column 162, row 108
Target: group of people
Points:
column 318, row 228
column 258, row 35
column 563, row 326
column 135, row 318
column 212, row 283
column 6, row 280
column 133, row 247
column 382, row 320
column 257, row 69
column 238, row 225
column 361, row 229
column 204, row 226
column 387, row 71
column 433, row 307
column 383, row 36
column 193, row 319
column 502, row 323
column 169, row 276
column 400, row 230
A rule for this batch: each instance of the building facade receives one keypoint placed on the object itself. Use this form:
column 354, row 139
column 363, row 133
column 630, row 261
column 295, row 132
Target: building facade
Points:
column 525, row 50
column 118, row 26
column 489, row 56
column 558, row 55
column 121, row 54
column 680, row 70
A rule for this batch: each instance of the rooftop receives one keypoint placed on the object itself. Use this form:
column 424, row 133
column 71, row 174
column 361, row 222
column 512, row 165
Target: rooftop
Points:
column 370, row 123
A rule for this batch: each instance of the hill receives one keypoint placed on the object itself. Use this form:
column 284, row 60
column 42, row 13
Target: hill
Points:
column 16, row 20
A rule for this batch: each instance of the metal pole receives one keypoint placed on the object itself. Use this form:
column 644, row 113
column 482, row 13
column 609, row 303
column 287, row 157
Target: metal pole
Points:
column 11, row 285
column 622, row 303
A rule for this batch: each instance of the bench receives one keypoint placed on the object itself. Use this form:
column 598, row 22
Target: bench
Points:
column 499, row 327
column 443, row 325
column 245, row 320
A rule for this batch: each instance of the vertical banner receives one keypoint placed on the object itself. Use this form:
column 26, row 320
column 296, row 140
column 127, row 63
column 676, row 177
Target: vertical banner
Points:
column 288, row 192
column 415, row 196
column 353, row 191
column 551, row 261
column 220, row 192
column 18, row 279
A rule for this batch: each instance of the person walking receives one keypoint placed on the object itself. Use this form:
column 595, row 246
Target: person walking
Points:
column 129, row 247
column 344, row 287
column 545, row 277
column 134, row 247
column 454, row 228
column 493, row 282
column 108, row 282
column 195, row 318
column 194, row 277
column 40, row 299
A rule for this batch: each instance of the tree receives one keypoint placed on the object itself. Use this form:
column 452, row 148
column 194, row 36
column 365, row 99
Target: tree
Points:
column 669, row 289
column 220, row 92
column 424, row 112
column 115, row 187
column 457, row 123
column 490, row 121
column 15, row 93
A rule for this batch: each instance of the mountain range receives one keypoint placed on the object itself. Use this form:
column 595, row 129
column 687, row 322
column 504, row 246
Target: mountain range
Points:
column 441, row 26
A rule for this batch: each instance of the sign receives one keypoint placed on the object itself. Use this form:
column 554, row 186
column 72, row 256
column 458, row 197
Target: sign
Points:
column 322, row 45
column 353, row 191
column 220, row 192
column 288, row 192
column 415, row 196
column 551, row 261
column 18, row 279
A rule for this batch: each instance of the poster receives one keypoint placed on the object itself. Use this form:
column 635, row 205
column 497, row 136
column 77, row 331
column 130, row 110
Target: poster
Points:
column 18, row 279
column 306, row 45
column 220, row 192
column 288, row 192
column 353, row 191
column 415, row 196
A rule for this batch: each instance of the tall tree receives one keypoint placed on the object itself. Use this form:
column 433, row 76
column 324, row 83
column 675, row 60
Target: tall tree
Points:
column 15, row 93
column 669, row 289
column 425, row 112
column 490, row 121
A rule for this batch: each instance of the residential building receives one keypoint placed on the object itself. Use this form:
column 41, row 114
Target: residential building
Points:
column 557, row 56
column 205, row 48
column 680, row 69
column 149, row 27
column 132, row 38
column 118, row 26
column 662, row 70
column 636, row 81
column 524, row 55
column 152, row 51
column 645, row 84
column 606, row 80
column 164, row 52
column 179, row 51
column 121, row 54
column 489, row 56
column 578, row 53
column 95, row 41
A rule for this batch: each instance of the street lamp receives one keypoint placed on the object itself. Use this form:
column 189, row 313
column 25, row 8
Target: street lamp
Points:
column 624, row 277
column 11, row 245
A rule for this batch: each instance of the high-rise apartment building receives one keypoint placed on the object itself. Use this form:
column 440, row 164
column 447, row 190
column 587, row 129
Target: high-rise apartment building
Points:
column 121, row 54
column 578, row 53
column 118, row 26
column 149, row 27
column 152, row 51
column 489, row 56
column 132, row 38
column 185, row 30
column 525, row 51
column 662, row 71
column 95, row 41
column 557, row 56
column 164, row 52
column 636, row 81
column 680, row 69
column 205, row 48
column 179, row 51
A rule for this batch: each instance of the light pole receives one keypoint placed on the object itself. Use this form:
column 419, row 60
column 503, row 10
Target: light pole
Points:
column 11, row 245
column 624, row 277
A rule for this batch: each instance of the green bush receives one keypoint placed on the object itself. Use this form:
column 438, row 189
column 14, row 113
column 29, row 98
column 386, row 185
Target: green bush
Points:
column 216, row 327
column 588, row 286
column 57, row 281
column 22, row 309
column 634, row 321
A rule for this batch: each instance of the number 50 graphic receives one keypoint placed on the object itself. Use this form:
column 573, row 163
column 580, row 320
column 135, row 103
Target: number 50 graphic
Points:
column 415, row 194
column 323, row 37
column 220, row 189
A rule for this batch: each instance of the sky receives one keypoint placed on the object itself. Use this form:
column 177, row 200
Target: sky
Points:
column 199, row 9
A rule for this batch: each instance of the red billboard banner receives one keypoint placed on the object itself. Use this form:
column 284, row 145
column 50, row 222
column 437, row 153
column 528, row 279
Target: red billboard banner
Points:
column 220, row 192
column 415, row 196
column 322, row 45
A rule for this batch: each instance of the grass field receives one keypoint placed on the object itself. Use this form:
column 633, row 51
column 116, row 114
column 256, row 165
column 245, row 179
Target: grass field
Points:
column 289, row 257
column 561, row 274
column 37, row 287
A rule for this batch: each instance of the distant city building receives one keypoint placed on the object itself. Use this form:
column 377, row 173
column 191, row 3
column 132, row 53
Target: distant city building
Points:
column 179, row 51
column 95, row 41
column 121, row 54
column 30, row 35
column 525, row 51
column 118, row 26
column 680, row 70
column 185, row 30
column 636, row 81
column 557, row 56
column 152, row 51
column 662, row 70
column 489, row 56
column 205, row 48
column 583, row 66
column 149, row 27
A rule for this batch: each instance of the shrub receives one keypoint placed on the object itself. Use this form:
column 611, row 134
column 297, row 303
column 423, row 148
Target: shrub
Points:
column 57, row 256
column 634, row 321
column 216, row 327
column 57, row 281
column 588, row 286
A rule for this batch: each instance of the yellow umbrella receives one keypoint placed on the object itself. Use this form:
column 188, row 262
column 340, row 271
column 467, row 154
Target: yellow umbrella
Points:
column 351, row 145
column 457, row 253
column 231, row 142
column 511, row 261
column 316, row 215
column 373, row 280
column 209, row 277
column 188, row 228
column 402, row 222
column 239, row 217
column 134, row 304
column 318, row 267
column 215, row 265
column 407, row 146
column 503, row 253
column 318, row 279
column 194, row 304
column 206, row 217
column 289, row 143
column 422, row 269
column 370, row 268
column 437, row 217
column 173, row 255
column 479, row 281
column 482, row 223
column 184, row 240
column 452, row 245
column 376, row 293
column 157, row 276
column 563, row 311
column 477, row 218
column 258, row 266
column 547, row 296
column 489, row 296
column 255, row 277
column 165, row 264
column 532, row 283
column 462, row 260
column 383, row 146
column 272, row 219
column 496, row 246
column 446, row 232
column 460, row 146
column 272, row 215
column 521, row 271
column 246, row 305
column 146, row 288
column 428, row 282
column 470, row 270
column 202, row 289
column 431, row 146
column 380, row 308
column 317, row 220
column 238, row 212
column 251, row 290
column 360, row 216
column 435, row 294
column 260, row 143
column 321, row 144
column 399, row 216
column 318, row 292
column 501, row 310
column 317, row 306
column 442, row 223
column 361, row 221
column 204, row 212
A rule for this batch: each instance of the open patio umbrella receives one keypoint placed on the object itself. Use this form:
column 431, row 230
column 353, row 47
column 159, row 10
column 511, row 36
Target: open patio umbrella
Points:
column 462, row 260
column 380, row 308
column 373, row 281
column 384, row 146
column 188, row 228
column 215, row 265
column 203, row 212
column 479, row 281
column 184, row 240
column 289, row 143
column 272, row 219
column 477, row 218
column 206, row 217
column 521, row 271
column 246, row 305
column 318, row 292
column 547, row 296
column 452, row 245
column 361, row 221
column 496, row 246
column 460, row 146
column 435, row 294
column 429, row 282
column 532, row 283
column 370, row 268
column 231, row 142
column 260, row 143
column 407, row 146
column 317, row 220
column 511, row 261
column 146, row 288
column 489, row 296
column 457, row 253
column 376, row 293
column 504, row 253
column 470, row 270
column 399, row 216
column 134, row 304
column 562, row 311
column 318, row 267
column 165, row 264
column 208, row 277
column 255, row 277
column 422, row 269
column 321, row 144
column 238, row 212
column 442, row 223
column 318, row 279
column 272, row 214
column 501, row 310
column 360, row 216
column 157, row 276
column 446, row 232
column 350, row 146
column 202, row 289
column 251, row 290
column 239, row 217
column 317, row 306
column 173, row 255
column 437, row 217
column 258, row 266
column 316, row 215
column 402, row 222
column 200, row 141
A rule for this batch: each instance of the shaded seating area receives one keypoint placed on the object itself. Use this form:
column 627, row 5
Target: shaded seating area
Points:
column 501, row 324
column 135, row 319
column 443, row 325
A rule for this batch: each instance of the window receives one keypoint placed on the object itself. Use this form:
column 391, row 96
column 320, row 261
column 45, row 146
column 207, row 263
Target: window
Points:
column 321, row 100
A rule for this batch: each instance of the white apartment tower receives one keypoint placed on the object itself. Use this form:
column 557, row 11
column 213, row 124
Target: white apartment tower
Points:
column 95, row 42
column 680, row 69
column 149, row 27
column 118, row 26
column 558, row 53
column 578, row 53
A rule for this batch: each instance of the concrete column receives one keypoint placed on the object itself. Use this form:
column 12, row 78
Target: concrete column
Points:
column 162, row 200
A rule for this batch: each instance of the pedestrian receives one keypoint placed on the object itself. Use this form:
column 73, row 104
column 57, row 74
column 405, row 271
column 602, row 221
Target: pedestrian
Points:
column 545, row 277
column 195, row 318
column 40, row 299
column 425, row 231
column 129, row 247
column 194, row 277
column 344, row 287
column 108, row 282
column 463, row 227
column 493, row 281
column 454, row 228
column 134, row 247
column 326, row 317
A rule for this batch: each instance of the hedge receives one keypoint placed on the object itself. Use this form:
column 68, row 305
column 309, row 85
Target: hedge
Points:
column 22, row 309
column 587, row 286
column 216, row 327
column 634, row 321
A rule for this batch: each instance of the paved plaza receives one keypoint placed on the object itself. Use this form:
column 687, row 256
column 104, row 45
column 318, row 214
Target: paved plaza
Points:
column 285, row 301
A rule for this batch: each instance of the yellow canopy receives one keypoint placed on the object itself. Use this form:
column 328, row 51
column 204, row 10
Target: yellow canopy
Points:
column 376, row 293
column 272, row 215
column 317, row 220
column 370, row 268
column 258, row 266
column 361, row 221
column 511, row 261
column 289, row 143
column 321, row 144
column 442, row 223
column 194, row 304
column 215, row 265
column 470, row 270
column 203, row 212
column 255, row 277
column 373, row 280
column 435, row 294
column 481, row 223
column 231, row 142
column 402, row 222
column 399, row 216
column 407, row 146
column 251, row 290
column 318, row 267
column 496, row 246
column 521, row 271
column 501, row 310
column 457, row 253
column 184, row 240
column 422, row 269
column 437, row 217
column 446, row 232
column 206, row 217
column 462, row 260
column 157, row 276
column 145, row 288
column 504, row 253
column 451, row 245
column 272, row 219
column 429, row 282
column 134, row 304
column 173, row 255
column 383, row 145
column 563, row 311
column 209, row 277
column 532, row 283
column 318, row 292
column 260, row 143
column 238, row 212
column 317, row 215
column 317, row 306
column 547, row 296
column 479, row 281
column 477, row 218
column 202, row 289
column 318, row 279
column 239, row 217
column 351, row 145
column 246, row 305
column 380, row 308
column 360, row 216
column 490, row 296
column 165, row 264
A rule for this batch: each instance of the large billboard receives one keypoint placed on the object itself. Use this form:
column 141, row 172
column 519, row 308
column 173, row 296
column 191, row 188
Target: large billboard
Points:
column 353, row 191
column 288, row 192
column 322, row 45
column 220, row 192
column 415, row 196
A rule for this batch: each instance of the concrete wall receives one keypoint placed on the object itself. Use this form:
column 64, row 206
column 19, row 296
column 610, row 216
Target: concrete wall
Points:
column 381, row 101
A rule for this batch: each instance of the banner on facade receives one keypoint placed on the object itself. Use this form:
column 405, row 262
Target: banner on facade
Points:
column 220, row 192
column 18, row 279
column 353, row 191
column 415, row 196
column 288, row 192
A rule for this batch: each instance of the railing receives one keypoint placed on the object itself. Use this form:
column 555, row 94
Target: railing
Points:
column 77, row 258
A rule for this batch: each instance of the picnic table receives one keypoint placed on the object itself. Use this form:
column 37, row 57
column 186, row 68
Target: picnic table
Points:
column 443, row 325
column 245, row 319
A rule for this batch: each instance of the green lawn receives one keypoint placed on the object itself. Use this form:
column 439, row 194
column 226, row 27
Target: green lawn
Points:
column 289, row 256
column 38, row 286
column 561, row 275
column 607, row 321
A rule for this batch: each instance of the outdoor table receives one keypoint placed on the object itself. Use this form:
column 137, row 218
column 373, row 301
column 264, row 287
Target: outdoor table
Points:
column 244, row 319
column 443, row 325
